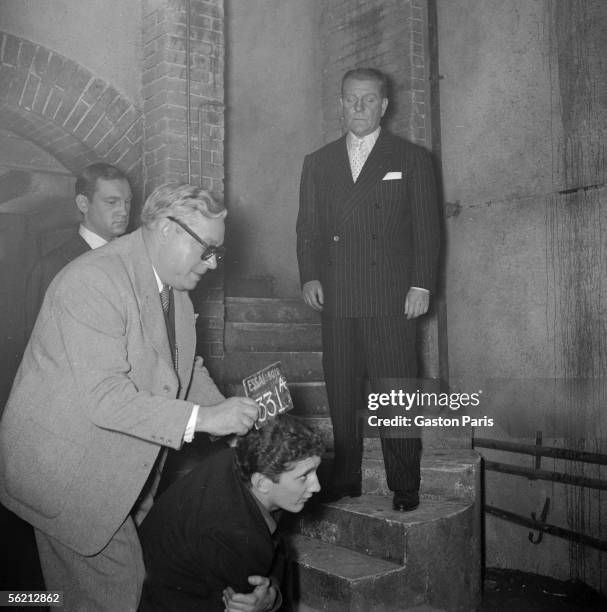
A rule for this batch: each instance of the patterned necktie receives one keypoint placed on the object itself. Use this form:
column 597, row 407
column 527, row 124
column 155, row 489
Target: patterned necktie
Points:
column 165, row 298
column 357, row 157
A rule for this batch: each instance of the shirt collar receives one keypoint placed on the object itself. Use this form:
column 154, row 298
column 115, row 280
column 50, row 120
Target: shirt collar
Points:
column 369, row 140
column 91, row 238
column 158, row 281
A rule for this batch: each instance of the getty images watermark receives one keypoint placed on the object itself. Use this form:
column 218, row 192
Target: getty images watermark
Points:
column 386, row 409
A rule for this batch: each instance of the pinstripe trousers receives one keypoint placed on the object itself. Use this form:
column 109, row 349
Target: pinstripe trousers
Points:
column 381, row 349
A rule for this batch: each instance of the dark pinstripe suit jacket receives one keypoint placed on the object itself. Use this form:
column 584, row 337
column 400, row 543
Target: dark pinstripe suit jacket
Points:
column 368, row 242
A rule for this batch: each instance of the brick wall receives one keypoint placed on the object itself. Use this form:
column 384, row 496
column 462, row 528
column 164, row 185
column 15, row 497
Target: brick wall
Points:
column 387, row 34
column 65, row 109
column 165, row 102
column 168, row 51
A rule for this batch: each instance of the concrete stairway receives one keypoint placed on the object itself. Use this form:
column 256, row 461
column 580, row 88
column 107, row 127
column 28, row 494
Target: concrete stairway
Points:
column 358, row 555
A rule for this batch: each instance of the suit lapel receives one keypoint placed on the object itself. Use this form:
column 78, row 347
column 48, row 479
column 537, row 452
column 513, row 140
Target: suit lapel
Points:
column 374, row 169
column 146, row 290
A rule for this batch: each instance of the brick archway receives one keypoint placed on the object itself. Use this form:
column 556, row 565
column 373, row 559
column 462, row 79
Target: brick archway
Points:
column 66, row 110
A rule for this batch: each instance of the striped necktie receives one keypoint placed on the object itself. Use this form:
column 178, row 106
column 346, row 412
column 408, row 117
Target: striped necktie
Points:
column 165, row 298
column 169, row 318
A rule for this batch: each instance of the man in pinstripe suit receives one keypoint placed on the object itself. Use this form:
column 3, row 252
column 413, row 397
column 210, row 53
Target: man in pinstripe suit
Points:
column 367, row 246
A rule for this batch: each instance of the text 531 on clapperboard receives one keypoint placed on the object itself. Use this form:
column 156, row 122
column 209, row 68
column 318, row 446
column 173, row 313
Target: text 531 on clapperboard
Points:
column 268, row 387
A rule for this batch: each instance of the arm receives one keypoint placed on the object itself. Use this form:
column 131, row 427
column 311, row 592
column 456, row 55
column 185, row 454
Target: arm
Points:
column 426, row 234
column 120, row 381
column 227, row 567
column 426, row 227
column 308, row 238
column 308, row 234
column 203, row 389
column 265, row 597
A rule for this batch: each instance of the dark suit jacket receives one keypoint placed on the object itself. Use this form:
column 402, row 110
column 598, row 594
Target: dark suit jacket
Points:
column 44, row 271
column 96, row 396
column 368, row 242
column 206, row 532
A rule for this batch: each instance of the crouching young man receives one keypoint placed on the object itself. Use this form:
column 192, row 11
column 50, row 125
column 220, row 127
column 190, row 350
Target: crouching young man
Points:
column 210, row 542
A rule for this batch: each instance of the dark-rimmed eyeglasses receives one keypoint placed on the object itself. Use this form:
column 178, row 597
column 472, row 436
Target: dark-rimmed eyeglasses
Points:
column 208, row 251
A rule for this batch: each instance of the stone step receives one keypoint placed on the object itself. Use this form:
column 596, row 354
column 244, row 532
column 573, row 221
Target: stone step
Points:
column 259, row 286
column 448, row 474
column 369, row 525
column 452, row 475
column 335, row 579
column 438, row 545
column 272, row 337
column 269, row 310
column 297, row 366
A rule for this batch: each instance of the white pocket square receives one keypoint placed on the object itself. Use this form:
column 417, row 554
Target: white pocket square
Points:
column 393, row 176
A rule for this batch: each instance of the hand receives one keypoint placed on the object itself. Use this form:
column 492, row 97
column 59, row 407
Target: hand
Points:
column 416, row 302
column 233, row 415
column 313, row 295
column 260, row 599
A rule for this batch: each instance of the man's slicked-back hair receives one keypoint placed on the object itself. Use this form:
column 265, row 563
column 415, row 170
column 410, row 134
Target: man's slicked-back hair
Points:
column 181, row 200
column 367, row 74
column 276, row 447
column 86, row 181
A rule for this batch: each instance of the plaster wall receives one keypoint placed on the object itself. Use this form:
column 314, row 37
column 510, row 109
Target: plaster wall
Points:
column 273, row 118
column 103, row 36
column 523, row 119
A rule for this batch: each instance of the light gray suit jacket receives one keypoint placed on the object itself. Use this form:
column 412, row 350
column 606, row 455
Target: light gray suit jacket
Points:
column 96, row 396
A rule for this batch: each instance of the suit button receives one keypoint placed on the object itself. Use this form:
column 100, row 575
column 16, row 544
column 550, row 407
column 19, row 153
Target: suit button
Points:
column 374, row 236
column 166, row 388
column 377, row 205
column 336, row 238
column 373, row 263
column 329, row 263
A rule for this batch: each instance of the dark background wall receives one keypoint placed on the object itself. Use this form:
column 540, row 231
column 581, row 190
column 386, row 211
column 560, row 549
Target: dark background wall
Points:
column 523, row 100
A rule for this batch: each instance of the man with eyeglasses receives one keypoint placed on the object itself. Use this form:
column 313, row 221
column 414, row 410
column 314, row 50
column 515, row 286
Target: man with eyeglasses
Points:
column 108, row 381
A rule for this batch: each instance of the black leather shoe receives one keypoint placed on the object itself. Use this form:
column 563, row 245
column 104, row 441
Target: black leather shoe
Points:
column 404, row 501
column 335, row 493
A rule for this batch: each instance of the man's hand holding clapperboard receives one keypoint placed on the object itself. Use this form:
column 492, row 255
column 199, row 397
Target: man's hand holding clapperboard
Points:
column 268, row 387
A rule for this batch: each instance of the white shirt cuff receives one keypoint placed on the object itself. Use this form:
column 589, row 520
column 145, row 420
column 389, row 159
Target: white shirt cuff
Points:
column 421, row 289
column 190, row 428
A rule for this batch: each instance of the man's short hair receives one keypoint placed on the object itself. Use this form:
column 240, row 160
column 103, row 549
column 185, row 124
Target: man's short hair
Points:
column 86, row 182
column 182, row 201
column 367, row 74
column 276, row 447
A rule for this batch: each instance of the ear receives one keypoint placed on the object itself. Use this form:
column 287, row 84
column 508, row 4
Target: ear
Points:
column 384, row 106
column 261, row 483
column 164, row 229
column 82, row 202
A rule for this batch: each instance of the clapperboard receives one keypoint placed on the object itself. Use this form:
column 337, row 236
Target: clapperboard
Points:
column 268, row 387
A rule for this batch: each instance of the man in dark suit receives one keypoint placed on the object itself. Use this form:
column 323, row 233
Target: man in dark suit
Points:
column 108, row 381
column 103, row 196
column 213, row 532
column 367, row 246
